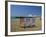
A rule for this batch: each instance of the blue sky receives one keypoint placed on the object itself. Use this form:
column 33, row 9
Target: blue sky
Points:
column 21, row 10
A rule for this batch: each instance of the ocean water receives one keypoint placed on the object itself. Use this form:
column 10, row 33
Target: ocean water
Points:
column 15, row 19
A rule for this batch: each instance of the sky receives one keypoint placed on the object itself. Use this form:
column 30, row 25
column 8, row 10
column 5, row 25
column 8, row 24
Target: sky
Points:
column 21, row 10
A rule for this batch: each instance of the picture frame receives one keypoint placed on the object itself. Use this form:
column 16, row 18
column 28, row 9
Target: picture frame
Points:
column 9, row 7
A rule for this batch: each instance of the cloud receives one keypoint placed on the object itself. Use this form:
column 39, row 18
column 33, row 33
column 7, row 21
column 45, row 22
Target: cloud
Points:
column 30, row 15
